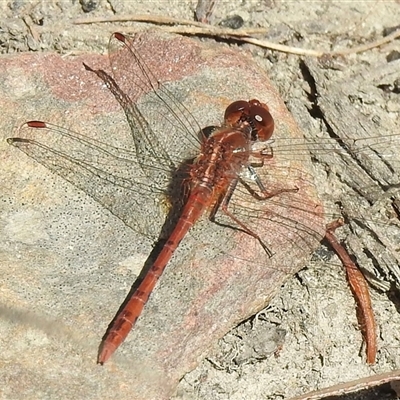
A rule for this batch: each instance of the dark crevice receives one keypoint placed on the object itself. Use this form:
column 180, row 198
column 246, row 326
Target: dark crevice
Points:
column 392, row 88
column 313, row 94
column 394, row 296
column 315, row 111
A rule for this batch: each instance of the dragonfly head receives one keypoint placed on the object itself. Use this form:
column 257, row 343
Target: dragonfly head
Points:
column 251, row 113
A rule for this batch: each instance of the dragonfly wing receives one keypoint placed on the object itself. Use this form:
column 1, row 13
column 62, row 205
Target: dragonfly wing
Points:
column 109, row 175
column 150, row 100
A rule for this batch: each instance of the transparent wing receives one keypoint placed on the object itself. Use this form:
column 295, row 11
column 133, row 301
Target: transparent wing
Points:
column 151, row 109
column 108, row 174
column 362, row 162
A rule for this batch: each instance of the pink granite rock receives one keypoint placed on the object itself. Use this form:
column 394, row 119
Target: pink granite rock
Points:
column 68, row 262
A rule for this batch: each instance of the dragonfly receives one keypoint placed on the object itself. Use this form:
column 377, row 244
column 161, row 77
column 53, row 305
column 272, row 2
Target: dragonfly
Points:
column 215, row 169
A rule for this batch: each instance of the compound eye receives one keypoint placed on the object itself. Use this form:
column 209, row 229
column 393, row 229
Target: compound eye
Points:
column 255, row 102
column 261, row 120
column 255, row 114
column 236, row 112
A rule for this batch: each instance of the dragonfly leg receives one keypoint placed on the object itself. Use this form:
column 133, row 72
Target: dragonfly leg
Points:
column 266, row 153
column 222, row 205
column 264, row 193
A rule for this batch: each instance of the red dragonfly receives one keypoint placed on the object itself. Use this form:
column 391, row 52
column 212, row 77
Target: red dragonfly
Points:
column 209, row 183
column 224, row 156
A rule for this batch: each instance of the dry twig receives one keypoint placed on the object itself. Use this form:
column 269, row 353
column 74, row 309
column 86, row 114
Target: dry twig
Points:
column 352, row 386
column 244, row 35
column 359, row 287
